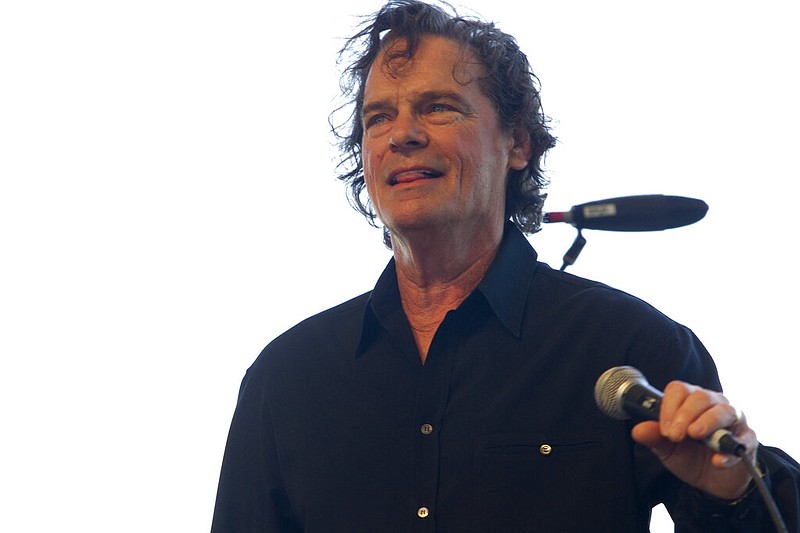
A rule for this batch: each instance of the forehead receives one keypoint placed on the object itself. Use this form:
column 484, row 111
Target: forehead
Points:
column 437, row 60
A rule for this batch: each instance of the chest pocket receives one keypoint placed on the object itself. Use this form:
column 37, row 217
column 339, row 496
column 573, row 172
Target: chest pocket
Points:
column 559, row 482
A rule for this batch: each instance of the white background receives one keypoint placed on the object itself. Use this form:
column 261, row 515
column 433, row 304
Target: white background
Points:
column 167, row 207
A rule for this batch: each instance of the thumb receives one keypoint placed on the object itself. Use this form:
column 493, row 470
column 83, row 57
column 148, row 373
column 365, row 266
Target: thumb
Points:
column 648, row 434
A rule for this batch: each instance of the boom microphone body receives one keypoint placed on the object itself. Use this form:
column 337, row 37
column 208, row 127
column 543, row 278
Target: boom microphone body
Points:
column 651, row 212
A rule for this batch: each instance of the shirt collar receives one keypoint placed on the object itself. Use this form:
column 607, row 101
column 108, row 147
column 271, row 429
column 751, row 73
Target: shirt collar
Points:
column 506, row 283
column 384, row 300
column 504, row 287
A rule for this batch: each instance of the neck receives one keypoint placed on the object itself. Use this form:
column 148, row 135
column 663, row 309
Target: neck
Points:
column 435, row 275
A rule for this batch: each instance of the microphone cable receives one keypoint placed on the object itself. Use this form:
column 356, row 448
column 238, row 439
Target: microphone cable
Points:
column 769, row 501
column 574, row 251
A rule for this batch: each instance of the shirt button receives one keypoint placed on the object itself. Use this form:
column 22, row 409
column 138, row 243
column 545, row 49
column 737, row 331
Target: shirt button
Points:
column 545, row 449
column 423, row 512
column 426, row 429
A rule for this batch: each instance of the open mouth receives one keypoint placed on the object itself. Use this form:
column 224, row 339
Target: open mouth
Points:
column 408, row 176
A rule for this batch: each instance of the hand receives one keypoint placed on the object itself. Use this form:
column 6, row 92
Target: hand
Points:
column 688, row 415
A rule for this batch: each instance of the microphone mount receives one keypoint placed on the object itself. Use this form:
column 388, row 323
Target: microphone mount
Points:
column 651, row 212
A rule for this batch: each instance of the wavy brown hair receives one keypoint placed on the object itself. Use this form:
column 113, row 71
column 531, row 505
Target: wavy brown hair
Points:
column 509, row 83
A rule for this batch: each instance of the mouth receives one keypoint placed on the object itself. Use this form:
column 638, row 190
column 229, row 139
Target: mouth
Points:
column 414, row 174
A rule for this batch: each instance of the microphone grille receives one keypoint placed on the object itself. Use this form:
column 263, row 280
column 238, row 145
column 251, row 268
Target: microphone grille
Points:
column 610, row 386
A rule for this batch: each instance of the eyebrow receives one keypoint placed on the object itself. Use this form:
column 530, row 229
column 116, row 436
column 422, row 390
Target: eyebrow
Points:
column 374, row 106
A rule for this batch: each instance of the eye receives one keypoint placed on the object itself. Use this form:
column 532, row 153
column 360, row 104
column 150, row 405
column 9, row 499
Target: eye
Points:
column 440, row 108
column 374, row 120
column 442, row 113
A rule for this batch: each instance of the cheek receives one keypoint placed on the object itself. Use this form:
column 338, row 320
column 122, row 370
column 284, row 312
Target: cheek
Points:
column 368, row 157
column 369, row 166
column 486, row 163
column 489, row 175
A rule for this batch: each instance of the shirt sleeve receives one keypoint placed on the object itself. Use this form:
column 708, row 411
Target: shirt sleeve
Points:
column 685, row 356
column 251, row 497
column 692, row 512
column 696, row 513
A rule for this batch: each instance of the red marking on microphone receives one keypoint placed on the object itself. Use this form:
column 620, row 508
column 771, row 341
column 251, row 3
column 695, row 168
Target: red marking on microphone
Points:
column 557, row 217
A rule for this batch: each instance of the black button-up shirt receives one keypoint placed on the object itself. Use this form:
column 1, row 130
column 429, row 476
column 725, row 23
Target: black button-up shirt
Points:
column 340, row 427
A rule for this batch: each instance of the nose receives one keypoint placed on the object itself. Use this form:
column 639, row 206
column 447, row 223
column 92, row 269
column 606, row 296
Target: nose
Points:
column 407, row 134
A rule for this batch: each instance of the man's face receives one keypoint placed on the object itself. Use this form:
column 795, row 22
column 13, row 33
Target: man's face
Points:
column 435, row 156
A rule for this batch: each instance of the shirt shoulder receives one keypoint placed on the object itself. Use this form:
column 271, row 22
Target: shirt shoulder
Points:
column 570, row 292
column 333, row 333
column 618, row 328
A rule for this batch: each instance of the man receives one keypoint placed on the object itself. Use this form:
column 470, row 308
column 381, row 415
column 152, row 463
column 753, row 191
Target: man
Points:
column 458, row 394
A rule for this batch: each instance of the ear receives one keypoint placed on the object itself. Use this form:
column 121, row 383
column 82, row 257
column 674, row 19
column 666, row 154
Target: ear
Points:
column 520, row 153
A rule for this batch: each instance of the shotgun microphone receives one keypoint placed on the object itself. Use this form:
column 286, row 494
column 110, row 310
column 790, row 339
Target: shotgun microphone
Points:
column 649, row 212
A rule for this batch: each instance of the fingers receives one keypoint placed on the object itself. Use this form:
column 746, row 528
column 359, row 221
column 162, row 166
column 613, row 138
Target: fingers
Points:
column 694, row 412
column 649, row 434
column 688, row 416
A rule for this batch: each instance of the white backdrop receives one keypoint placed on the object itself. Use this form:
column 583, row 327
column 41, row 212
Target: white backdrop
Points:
column 167, row 207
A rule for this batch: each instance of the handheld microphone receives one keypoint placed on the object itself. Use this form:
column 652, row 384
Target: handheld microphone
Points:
column 622, row 392
column 650, row 212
